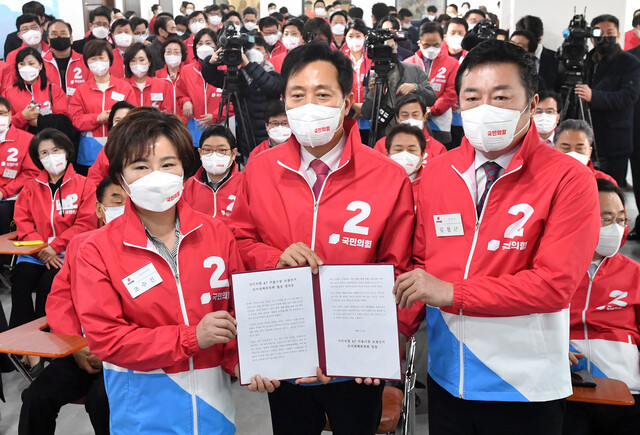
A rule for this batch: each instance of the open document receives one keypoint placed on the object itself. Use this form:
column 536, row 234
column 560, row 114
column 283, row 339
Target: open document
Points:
column 343, row 320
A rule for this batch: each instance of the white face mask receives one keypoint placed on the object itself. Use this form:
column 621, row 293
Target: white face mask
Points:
column 414, row 123
column 355, row 44
column 407, row 160
column 291, row 42
column 28, row 73
column 216, row 164
column 471, row 26
column 249, row 25
column 463, row 11
column 255, row 56
column 609, row 240
column 4, row 123
column 99, row 68
column 489, row 128
column 55, row 164
column 188, row 12
column 431, row 52
column 172, row 60
column 32, row 37
column 100, row 32
column 406, row 26
column 205, row 50
column 545, row 123
column 196, row 26
column 123, row 39
column 111, row 213
column 314, row 125
column 215, row 20
column 338, row 29
column 320, row 12
column 582, row 158
column 279, row 134
column 141, row 38
column 139, row 70
column 179, row 33
column 237, row 27
column 157, row 191
column 452, row 14
column 455, row 42
column 272, row 39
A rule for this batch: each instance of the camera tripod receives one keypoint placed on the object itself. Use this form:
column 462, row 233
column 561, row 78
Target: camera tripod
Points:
column 575, row 107
column 381, row 88
column 230, row 96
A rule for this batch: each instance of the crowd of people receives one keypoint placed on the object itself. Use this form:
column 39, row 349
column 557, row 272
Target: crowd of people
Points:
column 154, row 159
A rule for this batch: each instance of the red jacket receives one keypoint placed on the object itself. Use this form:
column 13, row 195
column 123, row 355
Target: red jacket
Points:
column 434, row 148
column 37, row 218
column 157, row 93
column 117, row 67
column 10, row 59
column 5, row 77
column 99, row 170
column 631, row 40
column 359, row 74
column 156, row 329
column 163, row 74
column 215, row 204
column 354, row 220
column 600, row 174
column 18, row 168
column 192, row 87
column 61, row 302
column 88, row 102
column 278, row 49
column 504, row 265
column 605, row 320
column 77, row 71
column 442, row 77
column 263, row 146
column 277, row 61
column 20, row 99
column 190, row 56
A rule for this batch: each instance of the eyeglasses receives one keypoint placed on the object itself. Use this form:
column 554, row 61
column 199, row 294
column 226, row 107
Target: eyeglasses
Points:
column 219, row 151
column 54, row 150
column 273, row 124
column 25, row 29
column 546, row 111
column 623, row 221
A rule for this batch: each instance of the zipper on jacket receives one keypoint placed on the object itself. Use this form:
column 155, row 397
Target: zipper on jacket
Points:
column 584, row 316
column 104, row 94
column 466, row 271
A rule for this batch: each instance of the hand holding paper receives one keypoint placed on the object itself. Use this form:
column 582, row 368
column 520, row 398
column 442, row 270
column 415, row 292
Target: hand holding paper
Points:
column 215, row 328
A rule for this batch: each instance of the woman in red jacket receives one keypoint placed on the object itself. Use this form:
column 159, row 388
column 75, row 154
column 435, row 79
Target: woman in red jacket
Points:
column 33, row 98
column 175, row 55
column 92, row 101
column 149, row 90
column 53, row 208
column 154, row 305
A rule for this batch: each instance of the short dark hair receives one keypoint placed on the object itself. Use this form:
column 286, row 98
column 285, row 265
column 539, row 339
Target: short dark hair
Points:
column 136, row 21
column 318, row 1
column 195, row 14
column 532, row 24
column 268, row 22
column 442, row 18
column 131, row 52
column 404, row 12
column 175, row 40
column 341, row 13
column 533, row 42
column 635, row 22
column 545, row 93
column 379, row 11
column 112, row 113
column 406, row 129
column 100, row 11
column 271, row 4
column 218, row 130
column 129, row 140
column 181, row 20
column 431, row 27
column 606, row 186
column 474, row 11
column 198, row 36
column 250, row 10
column 33, row 7
column 277, row 16
column 313, row 27
column 120, row 22
column 154, row 7
column 95, row 47
column 293, row 21
column 43, row 71
column 408, row 99
column 574, row 125
column 314, row 51
column 212, row 8
column 283, row 10
column 58, row 20
column 59, row 139
column 454, row 6
column 4, row 102
column 230, row 14
column 497, row 52
column 276, row 108
column 435, row 9
column 161, row 23
column 456, row 20
column 257, row 40
column 395, row 24
column 358, row 25
column 606, row 18
column 356, row 12
column 102, row 188
column 26, row 18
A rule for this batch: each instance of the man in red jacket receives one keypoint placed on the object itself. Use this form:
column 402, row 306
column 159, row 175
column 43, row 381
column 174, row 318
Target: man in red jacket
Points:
column 80, row 374
column 322, row 203
column 505, row 230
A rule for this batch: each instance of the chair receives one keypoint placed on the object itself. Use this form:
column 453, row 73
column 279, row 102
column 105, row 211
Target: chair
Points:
column 607, row 392
column 7, row 247
column 30, row 339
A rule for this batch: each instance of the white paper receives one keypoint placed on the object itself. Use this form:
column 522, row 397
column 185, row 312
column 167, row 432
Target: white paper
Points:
column 360, row 321
column 276, row 324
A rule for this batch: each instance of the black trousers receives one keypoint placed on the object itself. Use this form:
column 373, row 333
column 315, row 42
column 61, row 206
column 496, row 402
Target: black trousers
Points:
column 595, row 419
column 616, row 167
column 352, row 409
column 6, row 217
column 451, row 415
column 60, row 383
column 635, row 171
column 27, row 278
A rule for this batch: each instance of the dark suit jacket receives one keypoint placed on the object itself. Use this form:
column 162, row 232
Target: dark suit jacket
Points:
column 11, row 43
column 636, row 110
column 549, row 69
column 615, row 87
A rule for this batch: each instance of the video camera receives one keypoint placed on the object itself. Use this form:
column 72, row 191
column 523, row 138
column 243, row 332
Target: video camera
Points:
column 484, row 30
column 377, row 50
column 231, row 41
column 574, row 49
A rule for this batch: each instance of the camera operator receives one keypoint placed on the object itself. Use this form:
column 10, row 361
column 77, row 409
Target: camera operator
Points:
column 545, row 60
column 259, row 84
column 613, row 86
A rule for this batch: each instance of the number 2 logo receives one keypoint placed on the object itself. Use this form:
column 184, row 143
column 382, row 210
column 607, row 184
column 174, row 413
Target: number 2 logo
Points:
column 77, row 73
column 352, row 225
column 441, row 74
column 215, row 281
column 13, row 155
column 516, row 229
